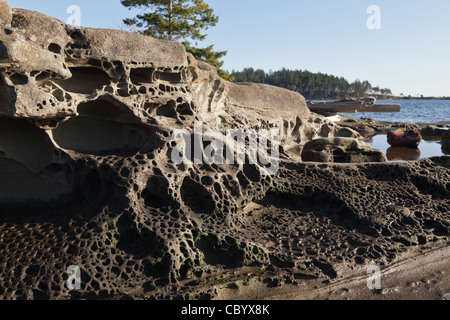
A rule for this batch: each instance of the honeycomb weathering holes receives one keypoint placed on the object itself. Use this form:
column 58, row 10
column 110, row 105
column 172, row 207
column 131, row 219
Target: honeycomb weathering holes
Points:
column 102, row 128
column 27, row 167
column 85, row 80
column 55, row 48
column 197, row 197
column 141, row 75
column 139, row 222
column 156, row 194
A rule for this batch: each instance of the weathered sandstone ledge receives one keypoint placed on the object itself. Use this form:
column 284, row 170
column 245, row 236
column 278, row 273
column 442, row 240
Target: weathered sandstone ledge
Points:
column 86, row 177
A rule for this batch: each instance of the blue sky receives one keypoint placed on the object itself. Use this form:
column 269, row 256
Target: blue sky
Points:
column 410, row 54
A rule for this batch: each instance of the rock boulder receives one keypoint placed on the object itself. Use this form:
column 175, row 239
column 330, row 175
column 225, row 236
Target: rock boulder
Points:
column 93, row 124
column 5, row 15
column 433, row 132
column 405, row 139
column 341, row 150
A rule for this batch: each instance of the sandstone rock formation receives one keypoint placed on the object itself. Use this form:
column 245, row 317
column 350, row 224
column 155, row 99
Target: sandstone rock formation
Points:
column 446, row 137
column 87, row 124
column 5, row 15
column 433, row 132
column 343, row 150
column 446, row 142
column 405, row 139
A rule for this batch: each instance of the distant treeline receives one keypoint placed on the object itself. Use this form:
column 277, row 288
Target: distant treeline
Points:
column 313, row 86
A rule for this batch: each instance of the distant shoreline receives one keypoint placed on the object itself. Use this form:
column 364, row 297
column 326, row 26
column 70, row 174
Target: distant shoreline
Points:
column 413, row 98
column 392, row 98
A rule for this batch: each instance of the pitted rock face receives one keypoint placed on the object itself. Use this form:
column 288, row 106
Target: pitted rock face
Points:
column 342, row 150
column 87, row 119
column 5, row 15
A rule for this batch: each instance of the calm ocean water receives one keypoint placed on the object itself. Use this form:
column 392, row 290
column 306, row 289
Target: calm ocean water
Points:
column 417, row 111
column 426, row 149
column 413, row 111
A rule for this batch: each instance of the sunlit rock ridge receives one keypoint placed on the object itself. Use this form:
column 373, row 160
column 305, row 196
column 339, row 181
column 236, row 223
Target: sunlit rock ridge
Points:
column 87, row 123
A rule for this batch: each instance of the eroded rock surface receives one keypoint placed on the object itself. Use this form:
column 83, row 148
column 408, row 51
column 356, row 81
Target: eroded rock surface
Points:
column 87, row 119
column 342, row 150
column 404, row 139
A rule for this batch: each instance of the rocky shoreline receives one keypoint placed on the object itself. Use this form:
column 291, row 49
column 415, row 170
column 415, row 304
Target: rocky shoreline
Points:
column 90, row 121
column 437, row 132
column 367, row 126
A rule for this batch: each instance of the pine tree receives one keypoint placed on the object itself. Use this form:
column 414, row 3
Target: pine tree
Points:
column 313, row 86
column 211, row 57
column 178, row 20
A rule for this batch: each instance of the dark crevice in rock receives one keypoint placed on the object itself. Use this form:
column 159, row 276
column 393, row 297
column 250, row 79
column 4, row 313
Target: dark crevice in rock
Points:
column 196, row 197
column 84, row 80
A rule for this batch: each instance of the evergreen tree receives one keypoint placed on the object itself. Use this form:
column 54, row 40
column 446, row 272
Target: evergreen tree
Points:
column 211, row 57
column 314, row 86
column 358, row 88
column 178, row 20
